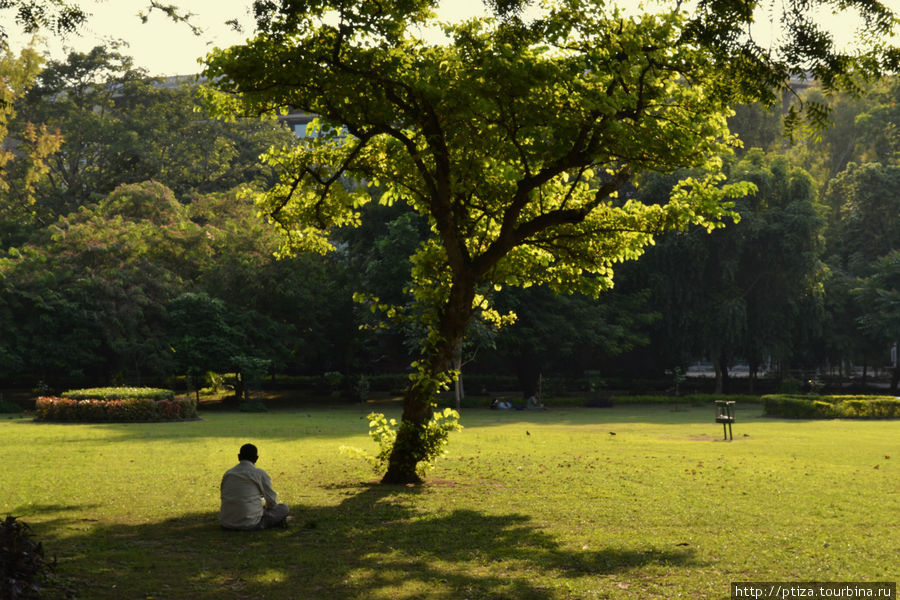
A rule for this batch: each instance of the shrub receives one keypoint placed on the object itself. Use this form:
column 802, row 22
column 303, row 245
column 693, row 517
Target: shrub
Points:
column 22, row 561
column 169, row 409
column 90, row 410
column 119, row 393
column 829, row 407
column 118, row 410
column 686, row 399
column 383, row 432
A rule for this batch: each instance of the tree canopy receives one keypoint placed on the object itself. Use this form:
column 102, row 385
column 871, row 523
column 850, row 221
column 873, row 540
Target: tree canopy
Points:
column 513, row 140
column 527, row 150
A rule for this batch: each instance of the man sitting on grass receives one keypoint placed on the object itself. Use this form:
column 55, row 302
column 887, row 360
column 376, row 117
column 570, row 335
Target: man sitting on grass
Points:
column 243, row 489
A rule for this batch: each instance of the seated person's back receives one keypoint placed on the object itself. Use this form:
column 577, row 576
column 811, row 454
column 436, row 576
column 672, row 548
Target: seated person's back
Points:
column 244, row 488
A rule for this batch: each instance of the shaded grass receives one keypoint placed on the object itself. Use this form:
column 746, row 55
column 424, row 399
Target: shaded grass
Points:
column 533, row 505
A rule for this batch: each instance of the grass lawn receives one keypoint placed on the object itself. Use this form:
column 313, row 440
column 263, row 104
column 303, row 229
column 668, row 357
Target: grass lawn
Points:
column 527, row 505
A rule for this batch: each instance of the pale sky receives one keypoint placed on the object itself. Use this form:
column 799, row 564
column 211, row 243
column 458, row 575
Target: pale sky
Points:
column 166, row 48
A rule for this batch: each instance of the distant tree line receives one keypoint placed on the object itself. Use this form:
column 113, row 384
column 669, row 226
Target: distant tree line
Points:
column 130, row 251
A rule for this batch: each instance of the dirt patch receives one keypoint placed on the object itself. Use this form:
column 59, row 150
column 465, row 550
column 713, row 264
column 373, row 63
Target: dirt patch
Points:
column 440, row 483
column 705, row 438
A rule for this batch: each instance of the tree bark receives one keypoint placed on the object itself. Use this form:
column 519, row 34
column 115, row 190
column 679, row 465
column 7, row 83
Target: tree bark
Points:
column 409, row 448
column 754, row 370
column 457, row 366
column 721, row 375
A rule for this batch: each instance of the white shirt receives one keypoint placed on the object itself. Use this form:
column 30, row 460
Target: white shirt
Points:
column 243, row 487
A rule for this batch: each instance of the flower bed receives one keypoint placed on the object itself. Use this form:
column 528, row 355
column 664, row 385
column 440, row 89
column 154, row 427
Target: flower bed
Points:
column 831, row 407
column 116, row 405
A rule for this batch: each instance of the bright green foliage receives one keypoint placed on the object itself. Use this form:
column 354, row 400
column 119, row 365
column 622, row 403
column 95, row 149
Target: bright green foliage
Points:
column 383, row 431
column 23, row 168
column 529, row 144
column 831, row 407
column 118, row 393
column 512, row 142
column 120, row 126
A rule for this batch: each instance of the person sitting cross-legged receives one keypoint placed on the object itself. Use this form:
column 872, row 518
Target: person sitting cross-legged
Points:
column 243, row 490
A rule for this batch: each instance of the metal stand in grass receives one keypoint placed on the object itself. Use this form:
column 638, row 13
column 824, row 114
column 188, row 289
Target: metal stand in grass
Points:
column 725, row 416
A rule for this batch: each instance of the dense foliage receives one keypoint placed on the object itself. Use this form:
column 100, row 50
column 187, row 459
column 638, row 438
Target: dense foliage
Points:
column 23, row 565
column 115, row 410
column 830, row 407
column 516, row 142
column 119, row 393
column 131, row 249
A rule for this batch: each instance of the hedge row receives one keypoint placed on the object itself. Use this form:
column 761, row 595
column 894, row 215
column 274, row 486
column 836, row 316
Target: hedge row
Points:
column 120, row 393
column 695, row 399
column 831, row 407
column 114, row 411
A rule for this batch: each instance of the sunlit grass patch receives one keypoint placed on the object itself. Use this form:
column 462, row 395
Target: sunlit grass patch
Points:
column 543, row 505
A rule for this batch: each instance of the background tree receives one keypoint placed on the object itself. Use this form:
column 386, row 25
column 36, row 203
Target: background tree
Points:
column 86, row 298
column 119, row 126
column 512, row 142
column 749, row 292
column 568, row 334
column 880, row 299
column 863, row 232
column 201, row 338
column 109, row 291
column 23, row 155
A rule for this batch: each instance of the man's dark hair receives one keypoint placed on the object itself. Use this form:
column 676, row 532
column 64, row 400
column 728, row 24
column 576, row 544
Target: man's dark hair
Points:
column 248, row 452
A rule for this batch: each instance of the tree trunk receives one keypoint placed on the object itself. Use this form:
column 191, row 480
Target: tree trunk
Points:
column 458, row 386
column 721, row 375
column 753, row 374
column 409, row 448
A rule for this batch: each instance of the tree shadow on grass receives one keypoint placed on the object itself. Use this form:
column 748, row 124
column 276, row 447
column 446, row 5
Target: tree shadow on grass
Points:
column 374, row 544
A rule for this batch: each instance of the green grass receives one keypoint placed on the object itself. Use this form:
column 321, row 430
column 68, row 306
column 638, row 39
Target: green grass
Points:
column 527, row 505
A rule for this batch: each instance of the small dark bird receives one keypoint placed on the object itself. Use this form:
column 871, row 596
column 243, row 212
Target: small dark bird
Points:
column 527, row 432
column 612, row 433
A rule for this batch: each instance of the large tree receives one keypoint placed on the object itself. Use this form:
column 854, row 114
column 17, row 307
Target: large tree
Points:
column 863, row 236
column 513, row 140
column 25, row 152
column 119, row 126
